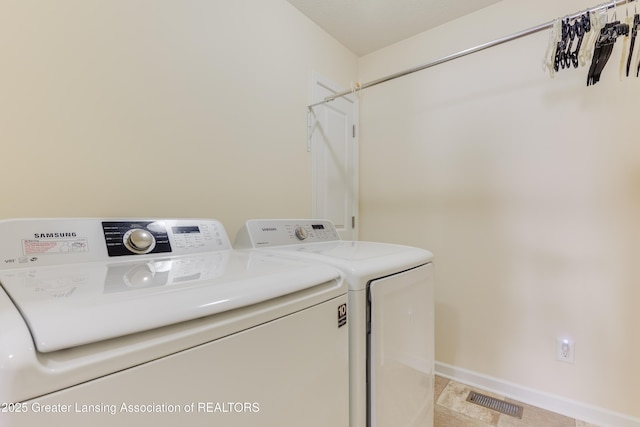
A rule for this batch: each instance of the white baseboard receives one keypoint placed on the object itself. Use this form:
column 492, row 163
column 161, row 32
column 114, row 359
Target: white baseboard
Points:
column 560, row 405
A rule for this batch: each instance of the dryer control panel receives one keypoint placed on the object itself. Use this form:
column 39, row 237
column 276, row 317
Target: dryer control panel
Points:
column 262, row 233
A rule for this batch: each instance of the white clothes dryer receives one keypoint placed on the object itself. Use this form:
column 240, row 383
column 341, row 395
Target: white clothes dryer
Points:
column 159, row 322
column 390, row 314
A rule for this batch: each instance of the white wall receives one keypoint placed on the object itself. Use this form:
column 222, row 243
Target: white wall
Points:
column 526, row 188
column 189, row 108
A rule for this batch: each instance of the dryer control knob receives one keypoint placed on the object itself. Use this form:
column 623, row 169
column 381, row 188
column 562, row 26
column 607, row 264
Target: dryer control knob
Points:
column 139, row 241
column 301, row 233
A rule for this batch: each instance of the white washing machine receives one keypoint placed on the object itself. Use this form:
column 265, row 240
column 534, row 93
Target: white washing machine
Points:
column 159, row 322
column 391, row 316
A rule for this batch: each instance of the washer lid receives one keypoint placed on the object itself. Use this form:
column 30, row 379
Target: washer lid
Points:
column 71, row 305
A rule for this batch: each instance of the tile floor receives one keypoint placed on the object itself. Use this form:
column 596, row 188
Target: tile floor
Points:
column 452, row 410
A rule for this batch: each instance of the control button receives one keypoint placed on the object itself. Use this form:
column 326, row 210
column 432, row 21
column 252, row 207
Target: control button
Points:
column 301, row 233
column 156, row 227
column 139, row 241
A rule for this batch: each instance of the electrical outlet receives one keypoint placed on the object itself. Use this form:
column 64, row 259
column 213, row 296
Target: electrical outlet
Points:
column 565, row 350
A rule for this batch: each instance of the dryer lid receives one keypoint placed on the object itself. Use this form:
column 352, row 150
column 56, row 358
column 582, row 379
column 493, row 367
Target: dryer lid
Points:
column 71, row 305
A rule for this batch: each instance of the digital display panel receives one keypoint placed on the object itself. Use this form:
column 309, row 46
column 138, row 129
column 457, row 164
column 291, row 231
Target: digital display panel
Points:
column 186, row 229
column 318, row 227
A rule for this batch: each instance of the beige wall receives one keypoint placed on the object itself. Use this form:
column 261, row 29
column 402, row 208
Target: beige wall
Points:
column 526, row 188
column 161, row 108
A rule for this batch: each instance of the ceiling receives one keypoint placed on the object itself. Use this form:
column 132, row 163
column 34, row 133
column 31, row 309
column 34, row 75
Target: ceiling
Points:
column 364, row 26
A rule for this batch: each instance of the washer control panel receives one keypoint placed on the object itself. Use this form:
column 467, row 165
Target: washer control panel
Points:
column 60, row 241
column 152, row 237
column 135, row 237
column 260, row 233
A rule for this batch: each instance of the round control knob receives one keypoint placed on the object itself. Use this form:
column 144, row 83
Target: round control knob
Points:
column 301, row 233
column 139, row 241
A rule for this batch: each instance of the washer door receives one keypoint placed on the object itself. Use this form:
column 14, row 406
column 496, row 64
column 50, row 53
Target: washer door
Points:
column 289, row 372
column 401, row 349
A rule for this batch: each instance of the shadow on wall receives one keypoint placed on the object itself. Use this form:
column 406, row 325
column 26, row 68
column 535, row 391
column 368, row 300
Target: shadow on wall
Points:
column 447, row 331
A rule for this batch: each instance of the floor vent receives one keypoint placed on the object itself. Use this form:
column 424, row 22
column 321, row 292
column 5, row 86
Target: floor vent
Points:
column 495, row 404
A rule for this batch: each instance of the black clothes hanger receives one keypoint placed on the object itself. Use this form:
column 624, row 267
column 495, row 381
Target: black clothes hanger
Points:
column 563, row 44
column 634, row 33
column 565, row 55
column 604, row 46
column 582, row 27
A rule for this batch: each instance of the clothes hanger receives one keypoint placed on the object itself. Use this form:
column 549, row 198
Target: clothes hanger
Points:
column 628, row 21
column 549, row 57
column 572, row 33
column 570, row 37
column 563, row 42
column 604, row 46
column 634, row 33
column 598, row 19
column 582, row 26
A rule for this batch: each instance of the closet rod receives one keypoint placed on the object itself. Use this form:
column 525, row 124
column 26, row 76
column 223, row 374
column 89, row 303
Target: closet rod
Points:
column 466, row 52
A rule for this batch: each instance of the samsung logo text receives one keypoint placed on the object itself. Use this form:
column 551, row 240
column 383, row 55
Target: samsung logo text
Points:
column 53, row 235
